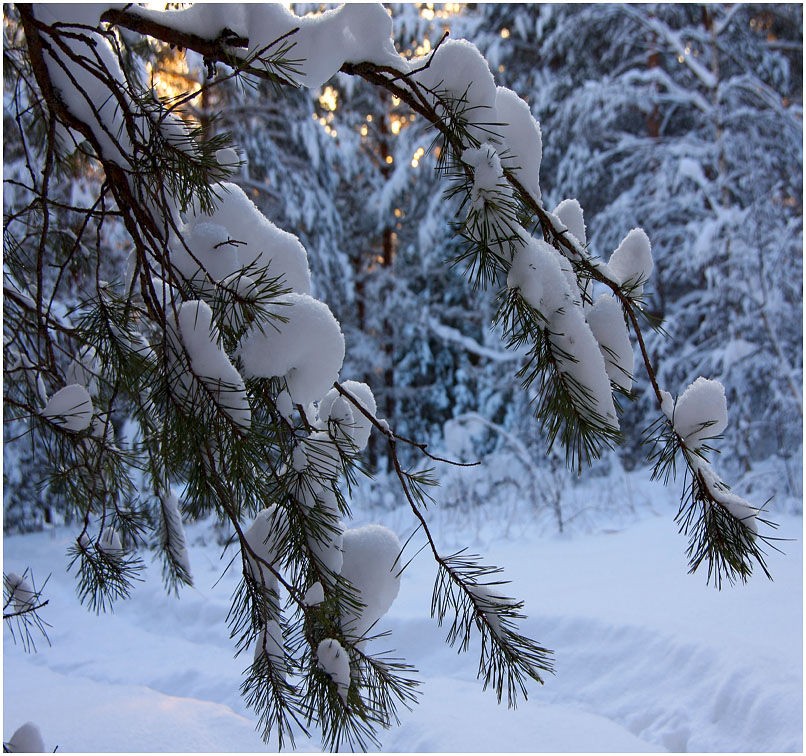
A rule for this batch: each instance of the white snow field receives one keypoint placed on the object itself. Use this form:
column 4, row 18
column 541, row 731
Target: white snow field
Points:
column 648, row 658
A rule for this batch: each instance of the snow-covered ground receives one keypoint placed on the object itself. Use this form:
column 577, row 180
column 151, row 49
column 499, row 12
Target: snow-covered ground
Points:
column 648, row 657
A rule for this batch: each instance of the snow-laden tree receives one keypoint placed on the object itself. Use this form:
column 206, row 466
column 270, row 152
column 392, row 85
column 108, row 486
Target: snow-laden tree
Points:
column 687, row 120
column 209, row 343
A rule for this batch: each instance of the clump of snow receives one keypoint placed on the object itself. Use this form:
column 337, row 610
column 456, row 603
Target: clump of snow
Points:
column 87, row 96
column 489, row 185
column 335, row 662
column 459, row 70
column 368, row 35
column 264, row 540
column 70, row 407
column 370, row 556
column 307, row 350
column 26, row 739
column 102, row 429
column 701, row 412
column 20, row 591
column 299, row 460
column 632, row 261
column 570, row 213
column 110, row 542
column 741, row 509
column 314, row 595
column 206, row 20
column 354, row 423
column 284, row 404
column 258, row 243
column 523, row 141
column 667, row 404
column 210, row 363
column 537, row 273
column 489, row 601
column 84, row 369
column 177, row 542
column 606, row 322
column 205, row 249
column 227, row 157
column 270, row 643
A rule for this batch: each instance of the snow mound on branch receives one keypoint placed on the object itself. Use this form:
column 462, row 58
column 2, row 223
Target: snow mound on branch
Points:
column 537, row 273
column 701, row 412
column 523, row 141
column 86, row 95
column 632, row 261
column 606, row 322
column 308, row 350
column 335, row 662
column 70, row 407
column 370, row 556
column 740, row 508
column 84, row 369
column 20, row 591
column 321, row 43
column 258, row 242
column 110, row 542
column 361, row 427
column 263, row 537
column 26, row 739
column 569, row 211
column 368, row 35
column 210, row 362
column 489, row 184
column 459, row 71
column 205, row 249
column 270, row 643
column 175, row 530
column 314, row 595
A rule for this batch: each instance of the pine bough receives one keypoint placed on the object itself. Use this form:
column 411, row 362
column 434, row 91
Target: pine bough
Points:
column 212, row 344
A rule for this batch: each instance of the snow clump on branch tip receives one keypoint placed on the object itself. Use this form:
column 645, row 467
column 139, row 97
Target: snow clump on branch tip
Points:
column 701, row 413
column 209, row 362
column 307, row 350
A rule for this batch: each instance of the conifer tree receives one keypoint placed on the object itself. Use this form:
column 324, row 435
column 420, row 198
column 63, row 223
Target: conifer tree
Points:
column 209, row 344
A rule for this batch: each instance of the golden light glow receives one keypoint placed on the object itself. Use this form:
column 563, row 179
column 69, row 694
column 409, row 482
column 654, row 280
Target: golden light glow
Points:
column 329, row 99
column 429, row 13
column 390, row 159
column 504, row 33
column 395, row 101
column 424, row 48
column 502, row 68
column 395, row 126
column 415, row 161
column 398, row 213
column 369, row 119
column 364, row 130
column 173, row 78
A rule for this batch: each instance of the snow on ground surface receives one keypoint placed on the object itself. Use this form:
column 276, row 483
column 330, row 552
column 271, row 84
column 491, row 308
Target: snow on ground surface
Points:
column 648, row 658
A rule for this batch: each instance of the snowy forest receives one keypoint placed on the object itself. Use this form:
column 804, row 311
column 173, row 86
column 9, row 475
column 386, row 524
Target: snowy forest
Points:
column 409, row 377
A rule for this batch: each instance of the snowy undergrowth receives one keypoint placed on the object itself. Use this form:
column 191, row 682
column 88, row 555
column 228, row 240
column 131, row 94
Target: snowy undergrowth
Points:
column 648, row 657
